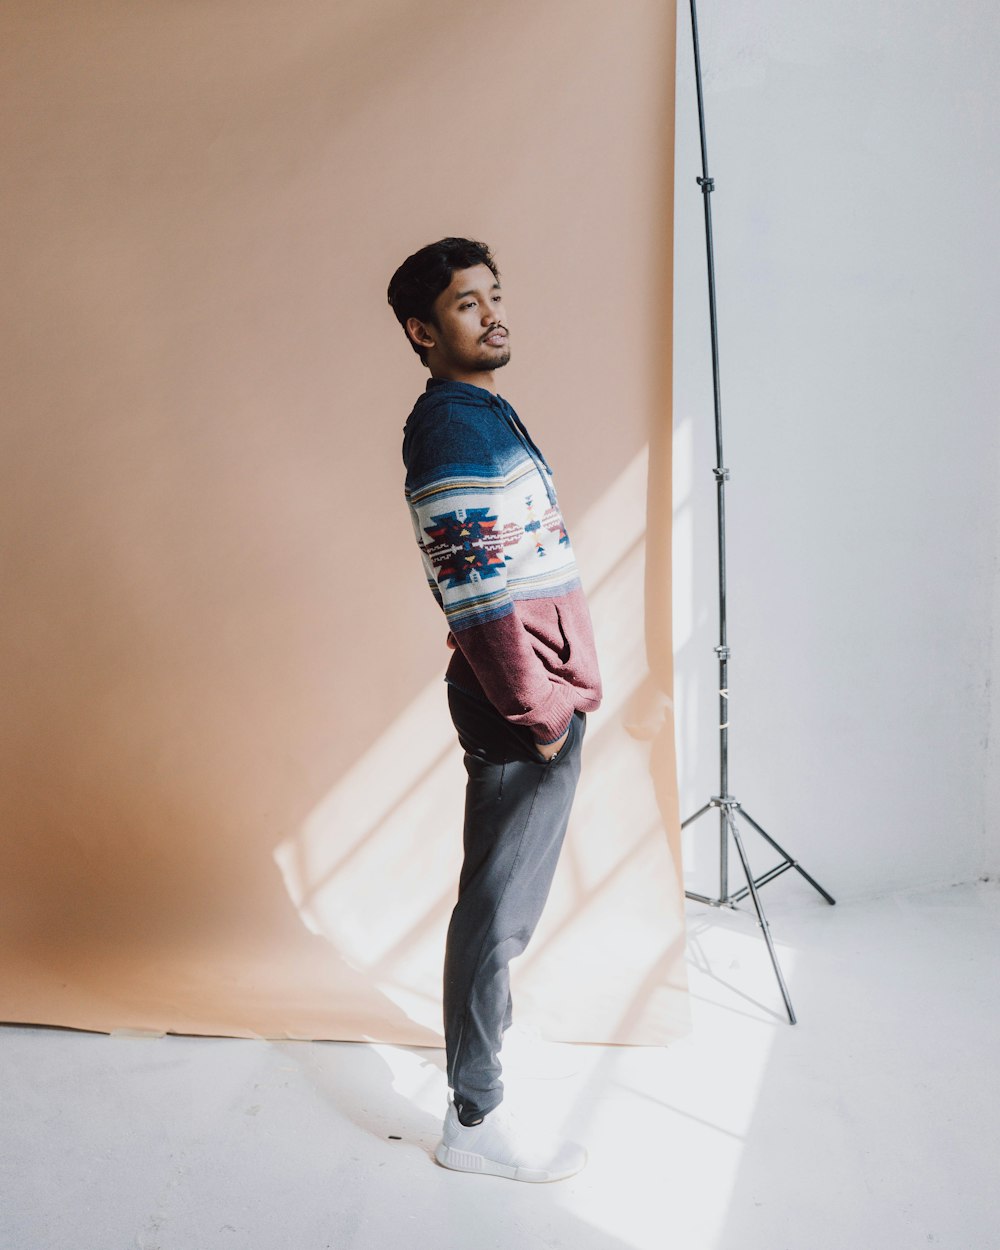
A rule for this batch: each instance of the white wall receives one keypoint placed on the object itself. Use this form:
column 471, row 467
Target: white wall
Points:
column 855, row 213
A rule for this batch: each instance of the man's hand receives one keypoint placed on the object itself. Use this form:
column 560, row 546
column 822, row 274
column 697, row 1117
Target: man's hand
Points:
column 551, row 748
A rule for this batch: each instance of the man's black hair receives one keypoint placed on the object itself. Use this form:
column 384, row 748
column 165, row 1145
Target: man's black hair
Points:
column 422, row 277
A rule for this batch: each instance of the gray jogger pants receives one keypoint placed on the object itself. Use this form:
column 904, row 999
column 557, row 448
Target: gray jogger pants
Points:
column 517, row 808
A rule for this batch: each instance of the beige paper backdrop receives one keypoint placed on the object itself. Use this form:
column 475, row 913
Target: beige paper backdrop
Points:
column 231, row 796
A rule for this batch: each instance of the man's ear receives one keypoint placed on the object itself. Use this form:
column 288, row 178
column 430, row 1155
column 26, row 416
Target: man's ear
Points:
column 420, row 333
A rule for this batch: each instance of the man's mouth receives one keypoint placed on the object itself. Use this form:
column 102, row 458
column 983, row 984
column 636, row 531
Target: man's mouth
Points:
column 496, row 337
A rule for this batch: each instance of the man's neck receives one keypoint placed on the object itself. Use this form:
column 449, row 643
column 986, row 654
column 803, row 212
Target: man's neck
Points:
column 485, row 379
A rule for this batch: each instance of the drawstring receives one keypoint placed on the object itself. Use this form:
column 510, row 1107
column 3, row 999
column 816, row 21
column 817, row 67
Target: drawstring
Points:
column 503, row 767
column 541, row 464
column 527, row 437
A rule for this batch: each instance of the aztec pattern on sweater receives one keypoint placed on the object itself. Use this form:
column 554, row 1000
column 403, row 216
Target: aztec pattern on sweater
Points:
column 498, row 559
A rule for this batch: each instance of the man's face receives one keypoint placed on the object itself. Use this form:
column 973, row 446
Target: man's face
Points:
column 471, row 331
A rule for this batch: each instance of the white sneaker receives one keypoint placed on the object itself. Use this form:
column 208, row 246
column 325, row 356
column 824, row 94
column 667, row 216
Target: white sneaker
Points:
column 499, row 1146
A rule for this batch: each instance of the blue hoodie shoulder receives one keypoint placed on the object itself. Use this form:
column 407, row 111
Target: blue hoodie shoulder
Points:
column 456, row 428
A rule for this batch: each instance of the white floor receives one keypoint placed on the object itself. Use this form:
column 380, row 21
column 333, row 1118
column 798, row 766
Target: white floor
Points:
column 871, row 1125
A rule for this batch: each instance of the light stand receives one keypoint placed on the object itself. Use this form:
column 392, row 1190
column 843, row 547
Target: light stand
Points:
column 726, row 803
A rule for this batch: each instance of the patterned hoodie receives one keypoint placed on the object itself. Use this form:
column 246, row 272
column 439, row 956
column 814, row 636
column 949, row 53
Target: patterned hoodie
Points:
column 498, row 559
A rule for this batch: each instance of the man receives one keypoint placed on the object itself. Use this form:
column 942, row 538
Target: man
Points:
column 522, row 677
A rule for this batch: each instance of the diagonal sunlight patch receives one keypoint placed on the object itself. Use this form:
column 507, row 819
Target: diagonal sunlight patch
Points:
column 676, row 1121
column 374, row 868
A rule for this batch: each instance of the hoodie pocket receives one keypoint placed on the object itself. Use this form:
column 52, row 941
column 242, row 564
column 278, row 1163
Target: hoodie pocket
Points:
column 564, row 649
column 564, row 749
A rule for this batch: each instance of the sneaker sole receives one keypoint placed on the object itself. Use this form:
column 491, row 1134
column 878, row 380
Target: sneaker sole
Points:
column 466, row 1161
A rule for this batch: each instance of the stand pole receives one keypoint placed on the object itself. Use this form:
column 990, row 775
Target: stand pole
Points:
column 724, row 801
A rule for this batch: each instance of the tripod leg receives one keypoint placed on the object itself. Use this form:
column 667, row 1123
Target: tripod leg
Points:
column 700, row 812
column 781, row 851
column 760, row 915
column 700, row 898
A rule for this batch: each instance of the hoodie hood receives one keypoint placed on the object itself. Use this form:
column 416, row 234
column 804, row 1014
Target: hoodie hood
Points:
column 443, row 393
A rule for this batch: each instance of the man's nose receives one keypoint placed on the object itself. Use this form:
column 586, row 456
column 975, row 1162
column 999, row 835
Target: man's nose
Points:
column 491, row 314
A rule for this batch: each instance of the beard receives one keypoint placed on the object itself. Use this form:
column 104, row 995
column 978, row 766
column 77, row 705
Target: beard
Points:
column 490, row 359
column 494, row 361
column 476, row 358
